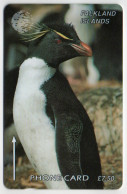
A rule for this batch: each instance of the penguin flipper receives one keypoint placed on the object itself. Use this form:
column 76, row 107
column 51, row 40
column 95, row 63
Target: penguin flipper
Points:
column 68, row 135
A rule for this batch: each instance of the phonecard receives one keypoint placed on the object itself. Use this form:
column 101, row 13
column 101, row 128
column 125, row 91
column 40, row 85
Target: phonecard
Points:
column 63, row 96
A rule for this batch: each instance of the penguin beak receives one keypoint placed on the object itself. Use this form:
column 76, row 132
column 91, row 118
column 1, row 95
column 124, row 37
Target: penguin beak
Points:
column 83, row 49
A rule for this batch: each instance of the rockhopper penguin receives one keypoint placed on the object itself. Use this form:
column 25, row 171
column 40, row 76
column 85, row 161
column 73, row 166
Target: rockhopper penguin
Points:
column 54, row 129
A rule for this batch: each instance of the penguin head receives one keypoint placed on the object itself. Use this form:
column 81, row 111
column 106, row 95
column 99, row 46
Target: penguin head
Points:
column 54, row 43
column 58, row 44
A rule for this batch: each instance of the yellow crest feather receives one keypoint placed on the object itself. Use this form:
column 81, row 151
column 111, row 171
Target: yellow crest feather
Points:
column 63, row 36
column 34, row 36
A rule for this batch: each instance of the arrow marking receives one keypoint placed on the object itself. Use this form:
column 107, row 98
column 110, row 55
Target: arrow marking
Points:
column 14, row 141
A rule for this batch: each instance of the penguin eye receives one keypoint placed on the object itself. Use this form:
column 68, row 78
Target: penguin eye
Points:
column 58, row 41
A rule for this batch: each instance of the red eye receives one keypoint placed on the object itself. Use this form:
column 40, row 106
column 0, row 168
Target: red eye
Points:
column 58, row 41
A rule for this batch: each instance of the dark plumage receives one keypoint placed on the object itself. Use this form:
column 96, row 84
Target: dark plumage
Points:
column 66, row 29
column 76, row 145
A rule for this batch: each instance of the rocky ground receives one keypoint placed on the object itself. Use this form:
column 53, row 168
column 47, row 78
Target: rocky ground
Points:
column 111, row 166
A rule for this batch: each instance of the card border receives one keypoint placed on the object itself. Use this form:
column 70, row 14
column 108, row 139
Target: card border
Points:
column 123, row 4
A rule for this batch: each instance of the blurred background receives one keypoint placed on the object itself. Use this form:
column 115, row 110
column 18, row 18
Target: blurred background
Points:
column 96, row 81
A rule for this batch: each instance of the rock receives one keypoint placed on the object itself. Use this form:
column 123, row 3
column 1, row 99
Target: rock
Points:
column 104, row 106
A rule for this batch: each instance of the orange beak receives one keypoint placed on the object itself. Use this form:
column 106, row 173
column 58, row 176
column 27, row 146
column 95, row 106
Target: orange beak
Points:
column 83, row 49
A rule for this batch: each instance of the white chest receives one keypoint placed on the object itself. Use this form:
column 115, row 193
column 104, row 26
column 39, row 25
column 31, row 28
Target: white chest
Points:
column 34, row 128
